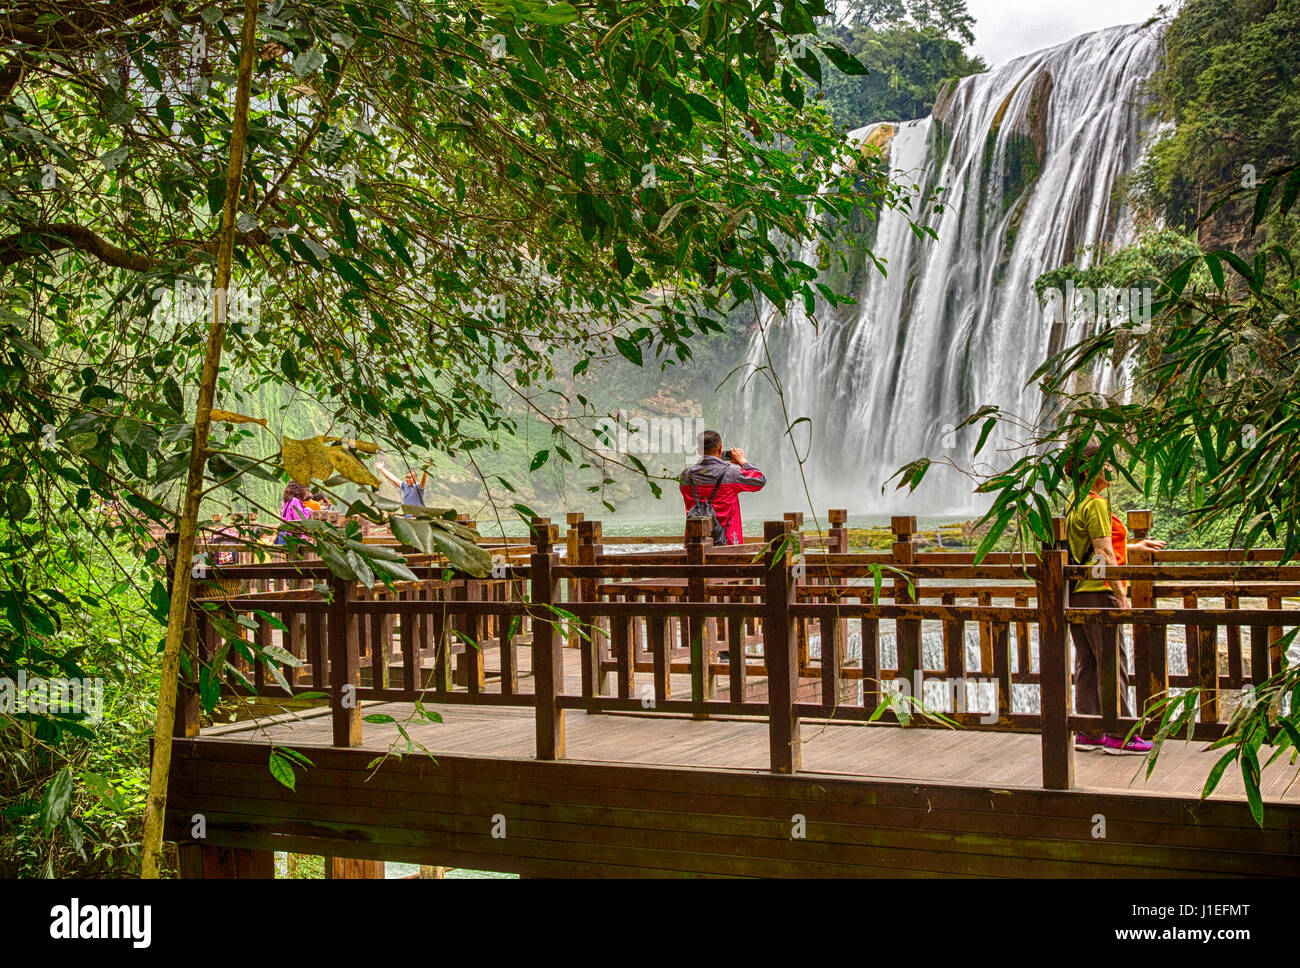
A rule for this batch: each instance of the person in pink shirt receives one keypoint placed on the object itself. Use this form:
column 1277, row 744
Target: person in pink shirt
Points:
column 294, row 508
column 719, row 479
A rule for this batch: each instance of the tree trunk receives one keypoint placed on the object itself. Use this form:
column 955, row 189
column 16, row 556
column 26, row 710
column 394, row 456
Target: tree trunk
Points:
column 156, row 804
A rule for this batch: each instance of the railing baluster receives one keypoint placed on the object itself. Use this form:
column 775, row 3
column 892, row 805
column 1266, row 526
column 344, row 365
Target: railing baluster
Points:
column 1150, row 671
column 1208, row 673
column 829, row 624
column 316, row 651
column 954, row 641
column 657, row 628
column 870, row 662
column 1275, row 638
column 293, row 621
column 1001, row 637
column 378, row 646
column 985, row 600
column 620, row 633
column 441, row 640
column 261, row 638
column 1108, row 674
column 1022, row 637
column 1233, row 633
column 736, row 658
column 411, row 677
column 1259, row 650
column 508, row 653
column 344, row 664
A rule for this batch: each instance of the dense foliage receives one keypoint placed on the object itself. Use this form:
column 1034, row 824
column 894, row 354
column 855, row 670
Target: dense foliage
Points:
column 429, row 209
column 908, row 67
column 1227, row 87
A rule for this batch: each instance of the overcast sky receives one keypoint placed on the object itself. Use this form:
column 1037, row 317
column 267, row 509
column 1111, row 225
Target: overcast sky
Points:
column 1008, row 28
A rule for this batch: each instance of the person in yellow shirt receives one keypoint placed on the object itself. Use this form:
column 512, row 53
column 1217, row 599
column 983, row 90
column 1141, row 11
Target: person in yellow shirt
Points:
column 1097, row 536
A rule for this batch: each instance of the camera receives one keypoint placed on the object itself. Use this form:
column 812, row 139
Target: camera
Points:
column 729, row 455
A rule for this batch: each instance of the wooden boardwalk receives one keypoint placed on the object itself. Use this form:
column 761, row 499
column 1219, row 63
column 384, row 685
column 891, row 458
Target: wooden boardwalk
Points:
column 981, row 759
column 714, row 728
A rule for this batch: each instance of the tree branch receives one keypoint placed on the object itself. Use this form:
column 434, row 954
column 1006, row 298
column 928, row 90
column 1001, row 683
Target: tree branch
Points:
column 69, row 235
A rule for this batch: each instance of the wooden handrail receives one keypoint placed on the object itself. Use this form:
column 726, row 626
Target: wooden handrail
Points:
column 667, row 614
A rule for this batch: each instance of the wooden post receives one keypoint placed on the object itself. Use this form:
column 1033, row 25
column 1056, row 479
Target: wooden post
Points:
column 1150, row 669
column 838, row 544
column 793, row 521
column 699, row 632
column 573, row 556
column 1054, row 673
column 345, row 665
column 838, row 534
column 779, row 650
column 223, row 863
column 595, row 648
column 548, row 657
column 349, row 868
column 908, row 634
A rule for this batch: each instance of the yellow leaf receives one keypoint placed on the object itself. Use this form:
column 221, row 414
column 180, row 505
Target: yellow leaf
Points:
column 305, row 459
column 350, row 467
column 229, row 416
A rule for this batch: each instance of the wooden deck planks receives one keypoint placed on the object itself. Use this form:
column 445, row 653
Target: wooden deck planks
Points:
column 933, row 755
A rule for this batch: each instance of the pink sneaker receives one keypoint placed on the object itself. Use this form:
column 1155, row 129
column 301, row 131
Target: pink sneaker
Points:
column 1113, row 744
column 1082, row 741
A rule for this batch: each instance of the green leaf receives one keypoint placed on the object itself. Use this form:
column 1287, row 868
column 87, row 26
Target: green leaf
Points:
column 795, row 18
column 680, row 115
column 174, row 398
column 396, row 569
column 163, row 108
column 843, row 60
column 623, row 259
column 308, row 62
column 538, row 460
column 985, row 430
column 58, row 796
column 628, row 349
column 349, row 224
column 282, row 769
column 19, row 501
column 462, row 554
column 413, row 533
column 1216, row 772
column 556, row 15
column 408, row 429
column 1216, row 269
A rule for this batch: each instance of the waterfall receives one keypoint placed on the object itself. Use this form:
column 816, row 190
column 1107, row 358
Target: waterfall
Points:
column 1028, row 156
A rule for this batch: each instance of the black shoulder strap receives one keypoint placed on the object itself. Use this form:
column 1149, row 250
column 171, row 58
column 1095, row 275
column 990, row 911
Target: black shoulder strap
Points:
column 717, row 485
column 690, row 482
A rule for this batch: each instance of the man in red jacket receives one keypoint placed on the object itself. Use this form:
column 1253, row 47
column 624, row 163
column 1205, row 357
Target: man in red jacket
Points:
column 724, row 477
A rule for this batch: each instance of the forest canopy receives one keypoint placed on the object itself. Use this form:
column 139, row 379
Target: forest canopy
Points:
column 401, row 212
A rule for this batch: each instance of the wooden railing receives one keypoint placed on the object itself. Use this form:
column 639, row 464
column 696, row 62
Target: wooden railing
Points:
column 759, row 633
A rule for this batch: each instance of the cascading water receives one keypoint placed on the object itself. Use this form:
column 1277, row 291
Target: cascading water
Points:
column 1028, row 156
